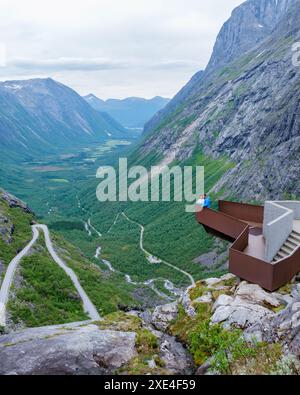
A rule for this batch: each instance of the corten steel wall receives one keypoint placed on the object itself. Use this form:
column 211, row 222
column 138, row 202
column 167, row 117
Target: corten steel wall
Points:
column 222, row 223
column 252, row 269
column 242, row 241
column 267, row 275
column 286, row 269
column 244, row 212
column 247, row 267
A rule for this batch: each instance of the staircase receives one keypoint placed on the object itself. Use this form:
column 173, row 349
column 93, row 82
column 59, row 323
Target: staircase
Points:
column 291, row 244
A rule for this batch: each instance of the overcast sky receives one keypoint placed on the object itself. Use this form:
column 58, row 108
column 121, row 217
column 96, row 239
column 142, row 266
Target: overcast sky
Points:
column 113, row 48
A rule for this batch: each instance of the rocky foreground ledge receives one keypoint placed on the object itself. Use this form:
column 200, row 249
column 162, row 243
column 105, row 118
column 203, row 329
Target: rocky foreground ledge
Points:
column 220, row 326
column 120, row 344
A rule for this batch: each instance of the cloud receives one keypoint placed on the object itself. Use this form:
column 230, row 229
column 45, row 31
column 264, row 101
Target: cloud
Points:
column 93, row 64
column 114, row 48
column 66, row 64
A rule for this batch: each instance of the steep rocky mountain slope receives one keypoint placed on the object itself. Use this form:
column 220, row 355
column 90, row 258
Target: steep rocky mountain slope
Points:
column 132, row 112
column 249, row 24
column 40, row 115
column 244, row 106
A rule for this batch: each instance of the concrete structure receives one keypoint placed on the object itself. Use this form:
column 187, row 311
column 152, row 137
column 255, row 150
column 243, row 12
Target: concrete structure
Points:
column 277, row 226
column 266, row 240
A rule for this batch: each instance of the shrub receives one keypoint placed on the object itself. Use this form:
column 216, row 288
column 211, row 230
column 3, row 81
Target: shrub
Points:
column 214, row 341
column 146, row 341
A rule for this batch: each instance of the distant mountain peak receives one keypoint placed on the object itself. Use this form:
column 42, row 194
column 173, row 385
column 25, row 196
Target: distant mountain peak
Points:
column 91, row 96
column 131, row 112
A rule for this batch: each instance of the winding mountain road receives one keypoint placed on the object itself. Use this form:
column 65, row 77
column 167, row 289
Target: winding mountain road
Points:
column 88, row 306
column 147, row 253
column 6, row 284
column 89, row 226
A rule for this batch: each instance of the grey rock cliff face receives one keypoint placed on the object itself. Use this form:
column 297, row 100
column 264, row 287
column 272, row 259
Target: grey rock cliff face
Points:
column 7, row 227
column 249, row 24
column 247, row 110
column 163, row 315
column 14, row 202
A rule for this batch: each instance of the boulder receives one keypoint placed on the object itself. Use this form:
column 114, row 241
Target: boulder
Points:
column 75, row 349
column 255, row 294
column 249, row 304
column 164, row 315
column 223, row 300
column 240, row 315
column 206, row 298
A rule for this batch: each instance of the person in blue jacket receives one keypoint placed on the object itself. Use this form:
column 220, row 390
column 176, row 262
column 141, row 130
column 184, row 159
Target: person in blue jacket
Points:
column 207, row 202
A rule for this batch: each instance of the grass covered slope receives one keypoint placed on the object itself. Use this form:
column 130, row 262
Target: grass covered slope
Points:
column 122, row 247
column 173, row 234
column 108, row 291
column 170, row 233
column 42, row 293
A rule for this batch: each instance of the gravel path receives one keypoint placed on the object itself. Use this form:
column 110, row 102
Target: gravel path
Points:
column 147, row 253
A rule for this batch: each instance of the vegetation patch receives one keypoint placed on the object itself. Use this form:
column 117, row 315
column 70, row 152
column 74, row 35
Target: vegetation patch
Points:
column 146, row 342
column 46, row 295
column 120, row 321
column 184, row 325
column 108, row 291
column 224, row 287
column 198, row 291
column 264, row 360
column 226, row 351
column 147, row 345
column 213, row 341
